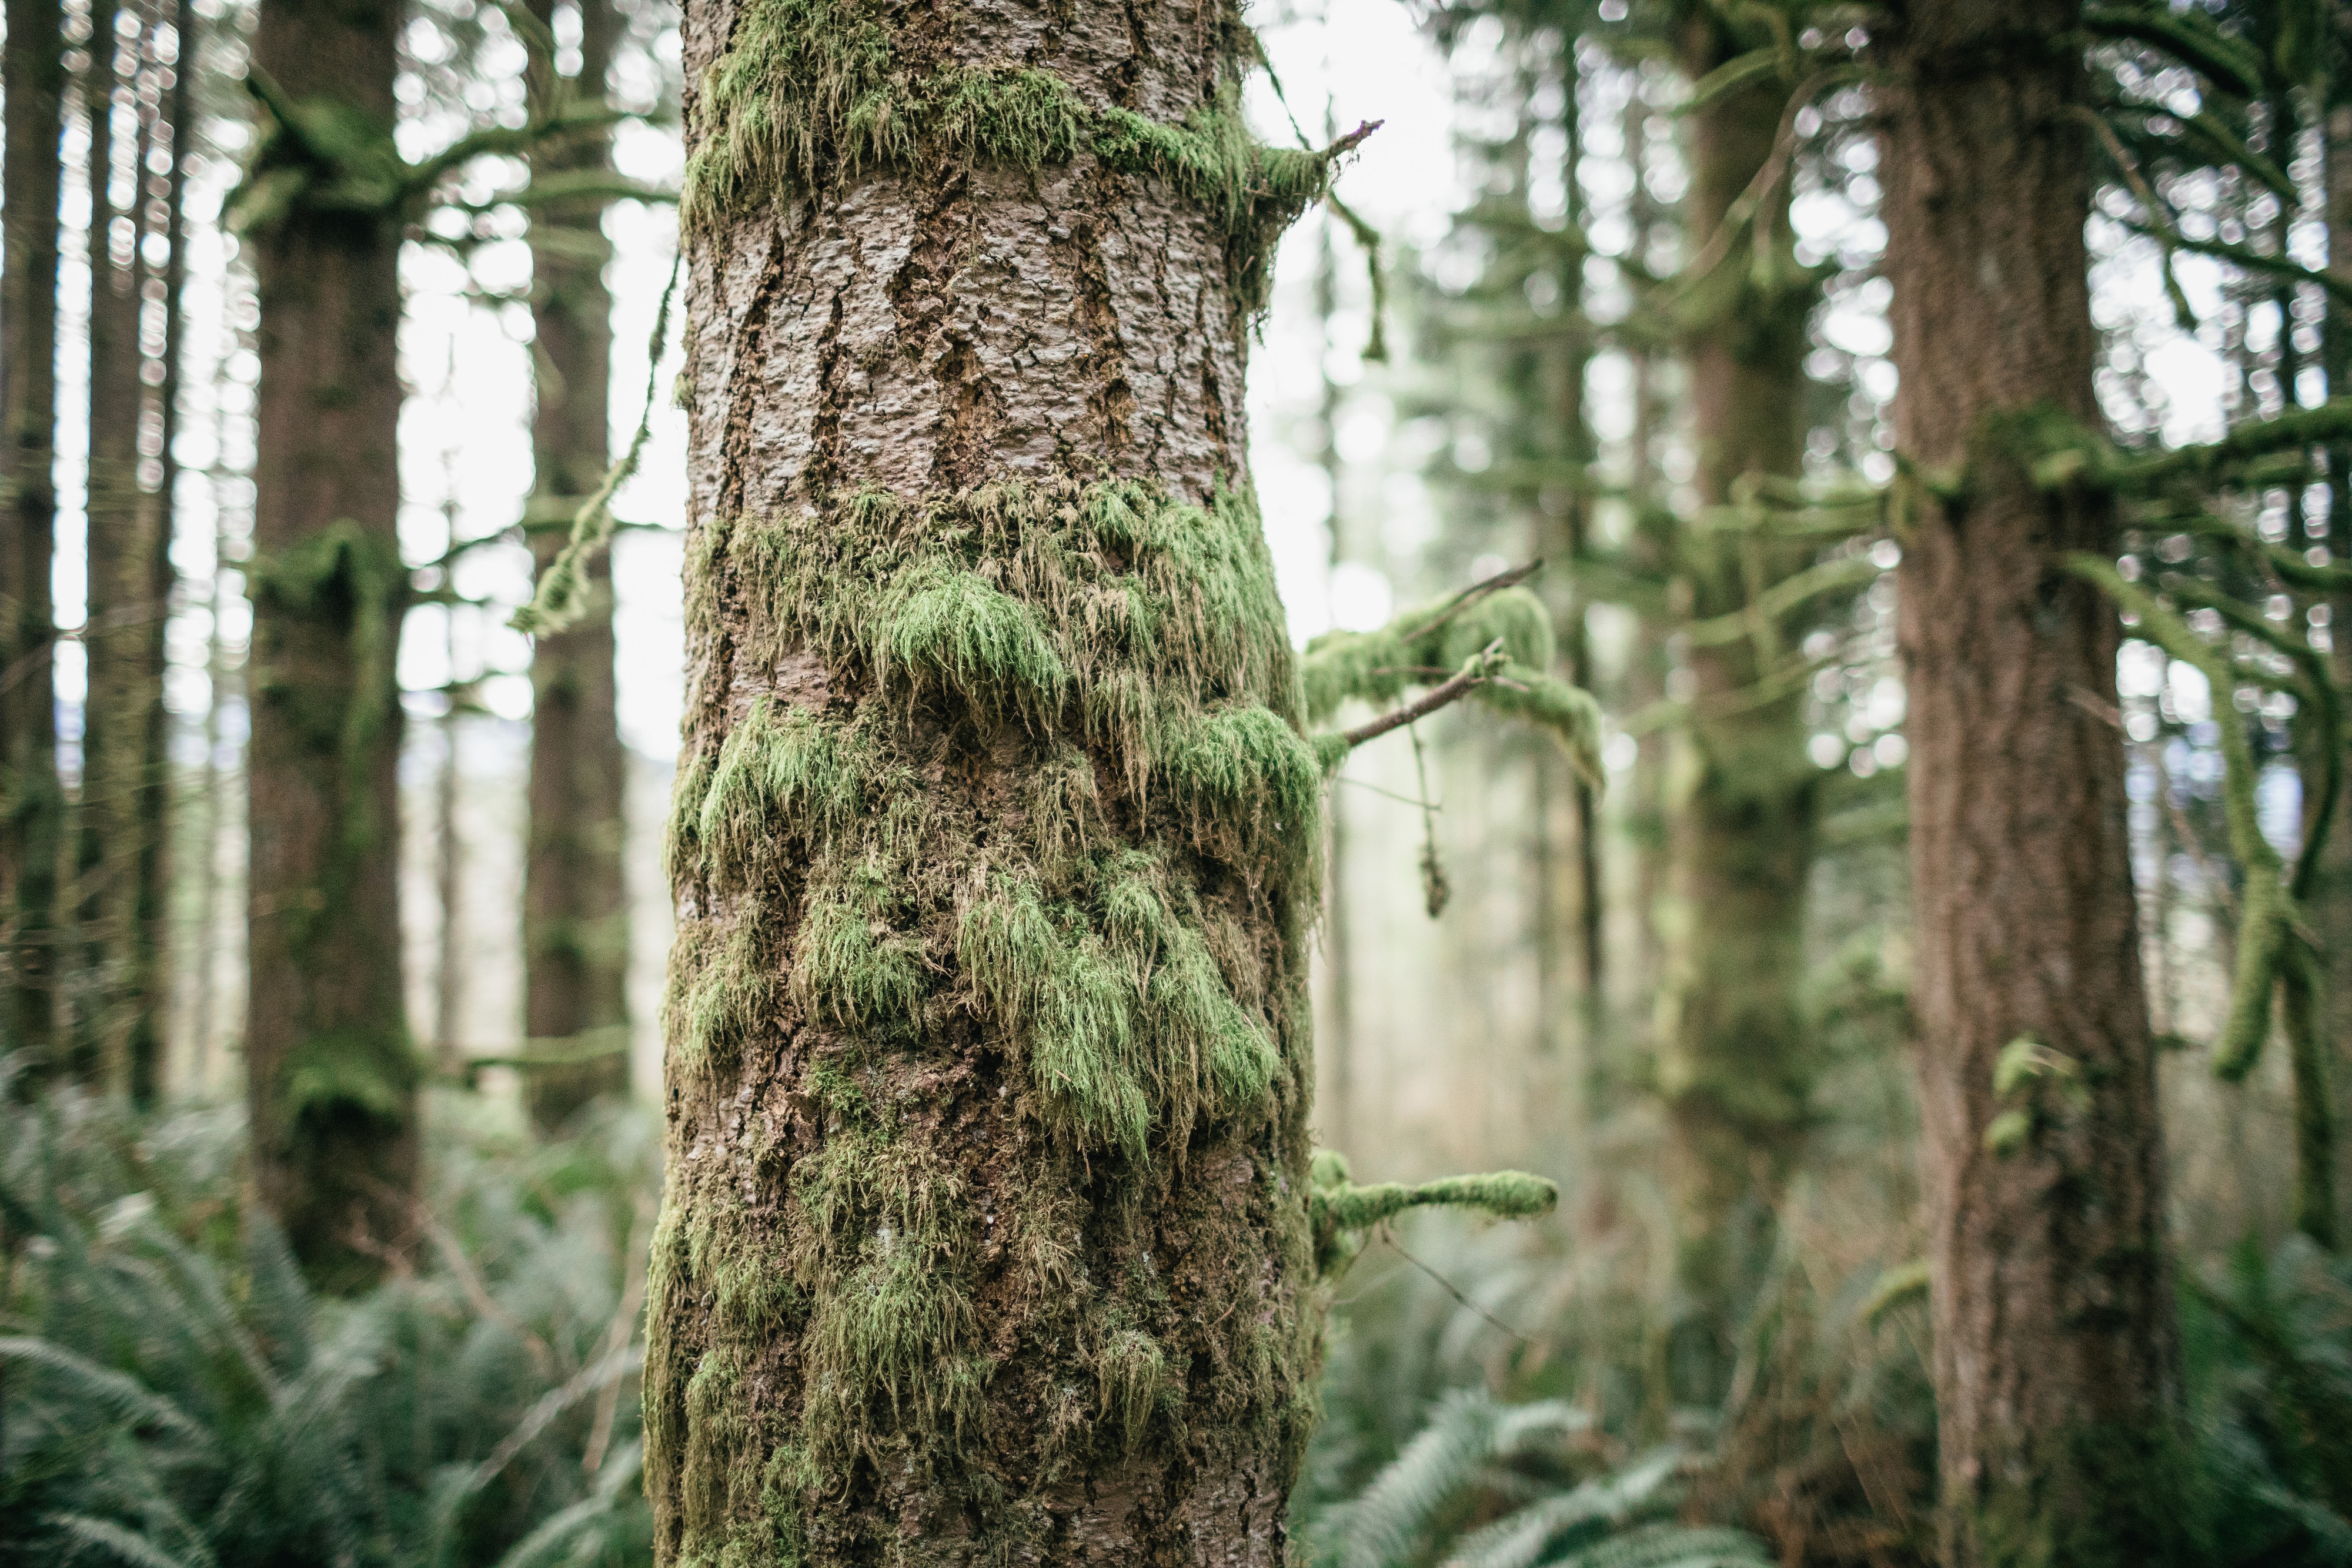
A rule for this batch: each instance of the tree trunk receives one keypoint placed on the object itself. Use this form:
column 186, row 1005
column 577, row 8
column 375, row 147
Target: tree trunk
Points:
column 575, row 937
column 152, row 968
column 1335, row 1116
column 332, row 1075
column 118, row 1028
column 32, row 803
column 2329, row 906
column 988, row 1058
column 2055, row 1357
column 1735, row 1060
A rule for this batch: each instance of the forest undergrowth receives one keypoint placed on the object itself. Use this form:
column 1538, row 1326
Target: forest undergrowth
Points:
column 175, row 1393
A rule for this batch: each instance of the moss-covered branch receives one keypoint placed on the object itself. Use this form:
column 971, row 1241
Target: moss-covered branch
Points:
column 1340, row 1212
column 2266, row 911
column 1492, row 643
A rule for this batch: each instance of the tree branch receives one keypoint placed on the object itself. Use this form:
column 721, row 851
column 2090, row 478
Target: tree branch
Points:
column 1472, row 674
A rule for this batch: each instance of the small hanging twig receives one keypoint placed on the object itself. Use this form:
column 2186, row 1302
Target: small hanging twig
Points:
column 1434, row 890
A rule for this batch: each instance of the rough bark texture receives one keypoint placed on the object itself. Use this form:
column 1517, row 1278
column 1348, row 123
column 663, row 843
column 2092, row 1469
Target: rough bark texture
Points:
column 119, row 1001
column 2330, row 904
column 2055, row 1360
column 332, row 1077
column 32, row 803
column 985, row 1231
column 1741, row 798
column 575, row 913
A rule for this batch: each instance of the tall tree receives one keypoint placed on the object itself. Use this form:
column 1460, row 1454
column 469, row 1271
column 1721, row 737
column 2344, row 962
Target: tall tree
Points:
column 575, row 936
column 119, row 997
column 985, row 1228
column 32, row 803
column 331, row 1073
column 1736, row 1061
column 2056, row 1358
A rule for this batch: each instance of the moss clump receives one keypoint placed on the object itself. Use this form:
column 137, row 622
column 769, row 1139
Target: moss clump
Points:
column 849, row 966
column 1123, row 1017
column 719, row 985
column 937, row 625
column 1132, row 1375
column 1240, row 771
column 368, row 1071
column 772, row 770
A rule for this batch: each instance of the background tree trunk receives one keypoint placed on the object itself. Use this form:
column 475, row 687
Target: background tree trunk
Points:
column 330, row 1072
column 32, row 803
column 2055, row 1359
column 1741, row 798
column 575, row 937
column 987, row 1053
column 118, row 1030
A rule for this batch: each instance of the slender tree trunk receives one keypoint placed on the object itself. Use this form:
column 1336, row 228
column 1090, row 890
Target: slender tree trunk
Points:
column 2330, row 904
column 575, row 921
column 332, row 1075
column 150, row 982
column 987, row 1064
column 119, row 1011
column 2055, row 1357
column 1337, row 1120
column 448, row 855
column 32, row 803
column 1735, row 1060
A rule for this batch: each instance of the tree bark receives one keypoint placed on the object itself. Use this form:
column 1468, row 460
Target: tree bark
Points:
column 575, row 936
column 1735, row 1058
column 32, row 801
column 2055, row 1357
column 332, row 1074
column 118, row 1031
column 988, row 1060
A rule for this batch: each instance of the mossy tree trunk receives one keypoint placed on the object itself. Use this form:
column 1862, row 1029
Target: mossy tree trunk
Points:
column 332, row 1077
column 2330, row 904
column 987, row 1053
column 2055, row 1359
column 1735, row 1058
column 575, row 919
column 32, row 803
column 118, row 997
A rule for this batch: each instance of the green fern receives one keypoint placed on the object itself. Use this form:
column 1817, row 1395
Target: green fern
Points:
column 1514, row 1467
column 175, row 1393
column 2269, row 1358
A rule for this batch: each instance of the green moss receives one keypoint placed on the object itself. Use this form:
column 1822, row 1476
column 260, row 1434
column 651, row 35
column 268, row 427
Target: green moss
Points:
column 1340, row 1210
column 729, row 987
column 789, row 769
column 1132, row 1373
column 373, row 1073
column 1110, row 661
column 937, row 625
column 849, row 965
column 812, row 90
column 899, row 1329
column 1425, row 646
column 1246, row 781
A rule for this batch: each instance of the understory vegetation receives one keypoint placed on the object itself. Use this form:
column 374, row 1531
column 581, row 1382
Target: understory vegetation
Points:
column 176, row 1393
